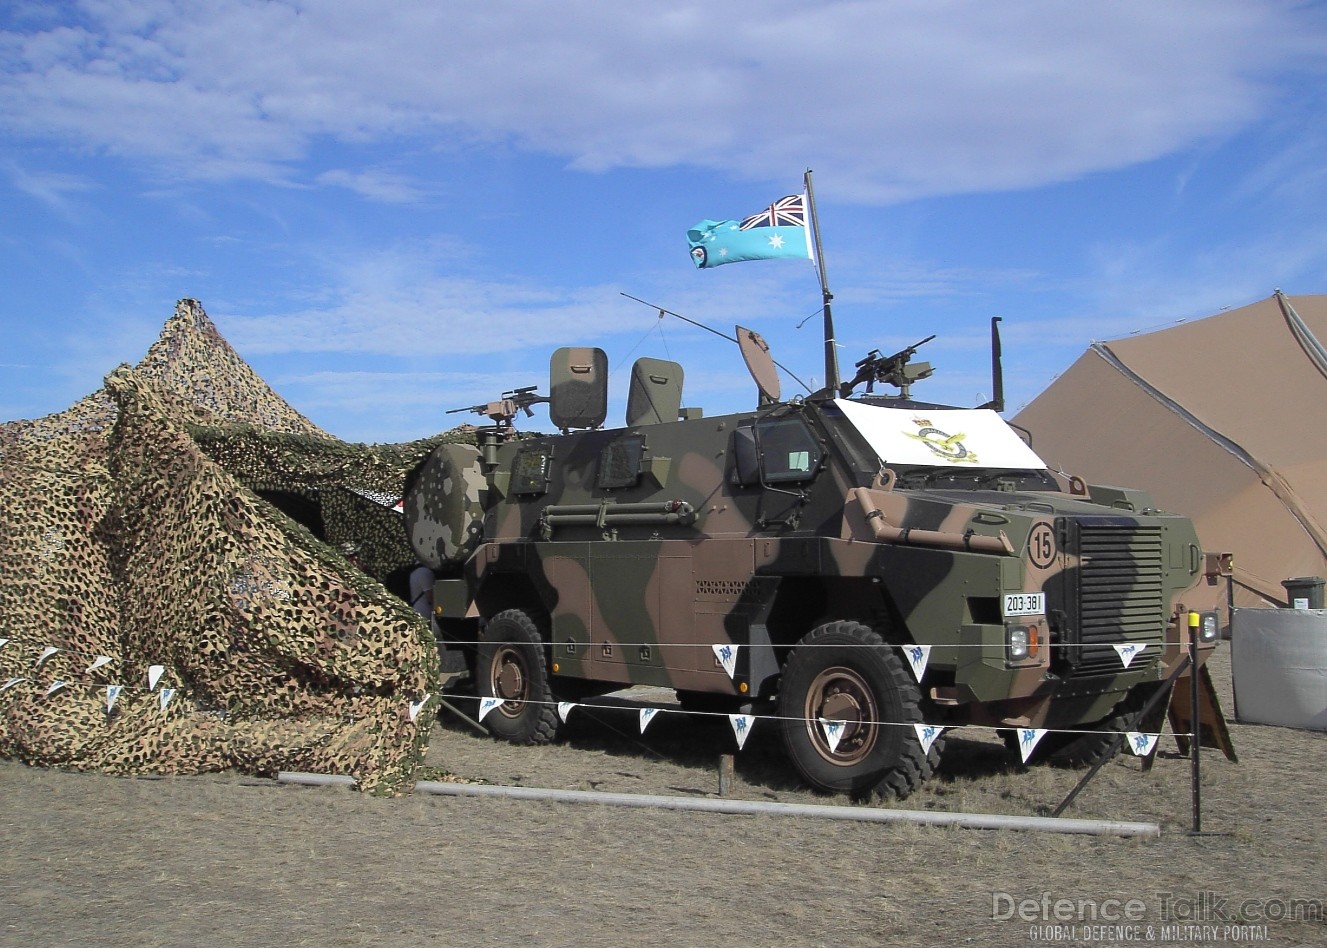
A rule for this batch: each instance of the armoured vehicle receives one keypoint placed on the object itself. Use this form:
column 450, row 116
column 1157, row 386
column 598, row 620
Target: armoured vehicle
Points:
column 856, row 566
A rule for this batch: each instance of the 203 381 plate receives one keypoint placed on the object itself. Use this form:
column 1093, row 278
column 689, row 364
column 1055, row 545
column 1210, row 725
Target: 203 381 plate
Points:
column 1024, row 604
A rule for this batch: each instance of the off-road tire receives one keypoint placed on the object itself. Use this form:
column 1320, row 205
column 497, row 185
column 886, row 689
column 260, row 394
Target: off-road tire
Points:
column 1083, row 750
column 510, row 663
column 845, row 671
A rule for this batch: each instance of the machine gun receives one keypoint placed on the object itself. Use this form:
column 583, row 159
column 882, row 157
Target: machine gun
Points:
column 893, row 370
column 505, row 408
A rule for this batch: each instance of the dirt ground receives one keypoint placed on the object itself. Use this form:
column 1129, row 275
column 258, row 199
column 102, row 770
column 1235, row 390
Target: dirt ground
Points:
column 232, row 859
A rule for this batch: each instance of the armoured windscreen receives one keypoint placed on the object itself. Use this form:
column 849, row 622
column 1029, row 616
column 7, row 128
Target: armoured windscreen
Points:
column 945, row 437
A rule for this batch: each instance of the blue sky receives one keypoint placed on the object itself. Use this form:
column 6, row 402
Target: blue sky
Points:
column 391, row 210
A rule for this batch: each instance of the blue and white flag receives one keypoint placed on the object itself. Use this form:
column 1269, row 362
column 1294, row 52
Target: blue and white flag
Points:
column 833, row 733
column 1027, row 740
column 486, row 705
column 741, row 727
column 726, row 655
column 1141, row 743
column 926, row 735
column 1130, row 651
column 781, row 230
column 917, row 656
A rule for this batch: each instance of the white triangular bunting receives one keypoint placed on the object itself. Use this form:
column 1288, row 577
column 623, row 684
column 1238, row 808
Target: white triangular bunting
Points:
column 4, row 642
column 1141, row 744
column 833, row 733
column 646, row 716
column 1027, row 740
column 727, row 656
column 926, row 734
column 918, row 656
column 154, row 673
column 417, row 706
column 112, row 693
column 741, row 727
column 486, row 705
column 1129, row 652
column 56, row 686
column 11, row 683
column 45, row 654
column 564, row 709
column 166, row 695
column 100, row 661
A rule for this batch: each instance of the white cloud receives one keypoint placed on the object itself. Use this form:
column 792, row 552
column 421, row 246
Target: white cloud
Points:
column 51, row 188
column 429, row 298
column 375, row 185
column 893, row 100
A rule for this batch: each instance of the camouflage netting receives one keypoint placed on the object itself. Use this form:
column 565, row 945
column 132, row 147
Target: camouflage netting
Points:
column 186, row 516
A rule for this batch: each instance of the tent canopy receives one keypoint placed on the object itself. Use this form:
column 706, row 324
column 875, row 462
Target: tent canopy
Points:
column 1219, row 419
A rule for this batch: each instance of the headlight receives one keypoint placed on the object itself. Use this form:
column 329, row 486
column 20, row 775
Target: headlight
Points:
column 1020, row 643
column 1210, row 627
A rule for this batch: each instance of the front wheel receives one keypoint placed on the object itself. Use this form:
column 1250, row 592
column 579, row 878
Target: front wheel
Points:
column 510, row 664
column 844, row 672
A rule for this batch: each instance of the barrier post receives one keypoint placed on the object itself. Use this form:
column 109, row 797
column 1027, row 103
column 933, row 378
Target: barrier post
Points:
column 1195, row 726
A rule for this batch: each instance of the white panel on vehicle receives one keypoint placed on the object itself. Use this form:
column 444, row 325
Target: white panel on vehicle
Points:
column 950, row 437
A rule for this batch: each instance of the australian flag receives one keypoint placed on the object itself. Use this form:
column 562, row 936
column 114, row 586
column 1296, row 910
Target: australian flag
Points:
column 781, row 230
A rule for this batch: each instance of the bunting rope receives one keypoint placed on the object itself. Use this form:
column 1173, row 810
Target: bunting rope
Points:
column 1139, row 743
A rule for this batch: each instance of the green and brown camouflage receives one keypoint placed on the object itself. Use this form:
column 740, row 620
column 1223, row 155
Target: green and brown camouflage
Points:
column 822, row 541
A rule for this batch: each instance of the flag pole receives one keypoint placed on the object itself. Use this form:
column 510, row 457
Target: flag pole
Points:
column 831, row 351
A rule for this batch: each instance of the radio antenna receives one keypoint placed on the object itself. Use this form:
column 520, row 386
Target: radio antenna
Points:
column 723, row 335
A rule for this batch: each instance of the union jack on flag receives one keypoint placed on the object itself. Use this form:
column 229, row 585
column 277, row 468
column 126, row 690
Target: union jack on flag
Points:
column 785, row 212
column 778, row 231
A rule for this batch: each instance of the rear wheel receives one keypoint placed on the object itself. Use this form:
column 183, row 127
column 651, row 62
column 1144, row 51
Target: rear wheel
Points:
column 510, row 664
column 844, row 672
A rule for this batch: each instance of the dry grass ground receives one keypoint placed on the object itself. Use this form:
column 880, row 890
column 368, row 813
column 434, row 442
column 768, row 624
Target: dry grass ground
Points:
column 239, row 860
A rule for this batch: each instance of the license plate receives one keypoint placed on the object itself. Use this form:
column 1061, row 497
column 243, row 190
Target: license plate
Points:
column 1024, row 604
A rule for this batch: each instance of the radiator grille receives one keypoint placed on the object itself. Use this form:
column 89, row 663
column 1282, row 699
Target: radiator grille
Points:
column 1120, row 595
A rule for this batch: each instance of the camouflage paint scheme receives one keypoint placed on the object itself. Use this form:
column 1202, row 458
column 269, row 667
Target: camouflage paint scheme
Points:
column 640, row 548
column 148, row 524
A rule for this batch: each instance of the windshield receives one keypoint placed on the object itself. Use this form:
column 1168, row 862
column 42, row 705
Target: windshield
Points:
column 955, row 438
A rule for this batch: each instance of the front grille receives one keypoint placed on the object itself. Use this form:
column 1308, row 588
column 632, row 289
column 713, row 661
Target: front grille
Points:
column 1120, row 595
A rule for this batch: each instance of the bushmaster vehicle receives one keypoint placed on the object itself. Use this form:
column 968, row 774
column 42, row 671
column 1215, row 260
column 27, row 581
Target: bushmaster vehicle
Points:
column 850, row 564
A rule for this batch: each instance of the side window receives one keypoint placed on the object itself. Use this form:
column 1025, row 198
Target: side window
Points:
column 619, row 462
column 529, row 470
column 776, row 450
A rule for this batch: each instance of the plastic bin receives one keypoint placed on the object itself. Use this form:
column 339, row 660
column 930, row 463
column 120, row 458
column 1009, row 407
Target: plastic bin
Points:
column 1304, row 592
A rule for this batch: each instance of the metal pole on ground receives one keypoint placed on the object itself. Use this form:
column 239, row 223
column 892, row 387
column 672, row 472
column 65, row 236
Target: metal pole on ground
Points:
column 867, row 814
column 1195, row 727
column 1113, row 749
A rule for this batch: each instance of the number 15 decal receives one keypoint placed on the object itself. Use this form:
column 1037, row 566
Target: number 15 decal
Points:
column 1041, row 546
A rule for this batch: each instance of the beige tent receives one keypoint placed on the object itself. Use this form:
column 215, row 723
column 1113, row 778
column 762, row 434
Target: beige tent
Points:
column 1223, row 419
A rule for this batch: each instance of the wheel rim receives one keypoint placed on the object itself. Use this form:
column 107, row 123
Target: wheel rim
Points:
column 511, row 680
column 841, row 694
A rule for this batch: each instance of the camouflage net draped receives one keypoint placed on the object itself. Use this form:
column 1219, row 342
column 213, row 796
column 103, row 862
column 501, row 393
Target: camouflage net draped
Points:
column 134, row 526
